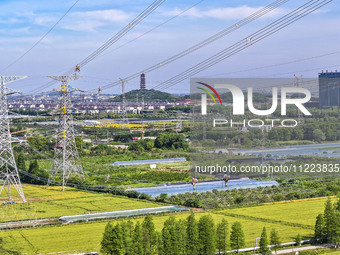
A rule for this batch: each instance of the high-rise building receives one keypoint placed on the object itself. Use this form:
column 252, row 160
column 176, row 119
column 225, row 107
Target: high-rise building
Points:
column 329, row 89
column 142, row 82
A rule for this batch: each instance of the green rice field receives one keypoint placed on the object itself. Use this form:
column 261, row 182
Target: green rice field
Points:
column 288, row 218
column 52, row 203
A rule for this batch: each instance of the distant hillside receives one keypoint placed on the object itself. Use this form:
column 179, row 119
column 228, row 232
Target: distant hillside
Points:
column 150, row 95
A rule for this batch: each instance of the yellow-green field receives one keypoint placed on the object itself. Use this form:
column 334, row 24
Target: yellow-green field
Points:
column 52, row 203
column 297, row 211
column 87, row 236
column 289, row 219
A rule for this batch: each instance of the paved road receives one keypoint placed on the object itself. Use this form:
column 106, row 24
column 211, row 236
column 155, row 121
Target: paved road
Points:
column 27, row 223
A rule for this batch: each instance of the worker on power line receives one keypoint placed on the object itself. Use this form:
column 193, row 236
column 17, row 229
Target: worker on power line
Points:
column 194, row 181
column 99, row 91
column 226, row 178
column 77, row 69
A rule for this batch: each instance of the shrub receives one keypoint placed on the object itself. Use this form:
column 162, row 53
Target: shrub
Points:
column 161, row 198
column 192, row 202
column 132, row 194
column 144, row 196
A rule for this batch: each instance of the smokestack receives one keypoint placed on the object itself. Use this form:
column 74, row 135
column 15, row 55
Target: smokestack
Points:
column 142, row 82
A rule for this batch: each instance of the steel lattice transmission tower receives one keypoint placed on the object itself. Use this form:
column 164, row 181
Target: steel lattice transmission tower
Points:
column 66, row 159
column 124, row 118
column 8, row 169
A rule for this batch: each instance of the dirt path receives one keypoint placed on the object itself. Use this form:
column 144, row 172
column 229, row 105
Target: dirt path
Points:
column 303, row 248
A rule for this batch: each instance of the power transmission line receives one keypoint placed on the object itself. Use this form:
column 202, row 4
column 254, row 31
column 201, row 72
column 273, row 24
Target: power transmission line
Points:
column 258, row 36
column 245, row 43
column 224, row 32
column 111, row 41
column 100, row 188
column 42, row 38
column 298, row 71
column 276, row 65
column 119, row 35
column 154, row 28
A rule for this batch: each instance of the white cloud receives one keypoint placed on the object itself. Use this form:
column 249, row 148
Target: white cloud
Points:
column 43, row 20
column 9, row 21
column 14, row 32
column 111, row 15
column 23, row 40
column 86, row 21
column 230, row 13
column 90, row 20
column 227, row 13
column 85, row 26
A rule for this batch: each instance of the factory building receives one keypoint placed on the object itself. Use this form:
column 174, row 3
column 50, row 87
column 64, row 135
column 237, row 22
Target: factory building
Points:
column 329, row 89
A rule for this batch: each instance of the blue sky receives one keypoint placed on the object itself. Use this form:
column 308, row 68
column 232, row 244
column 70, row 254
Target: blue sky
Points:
column 91, row 23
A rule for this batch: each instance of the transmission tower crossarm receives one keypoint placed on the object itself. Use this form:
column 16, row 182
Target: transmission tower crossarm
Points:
column 8, row 79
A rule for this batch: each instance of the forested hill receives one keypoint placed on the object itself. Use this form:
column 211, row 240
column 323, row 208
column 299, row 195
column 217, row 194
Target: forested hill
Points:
column 149, row 95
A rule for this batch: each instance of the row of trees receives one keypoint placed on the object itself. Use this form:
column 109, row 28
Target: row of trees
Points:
column 184, row 236
column 327, row 225
column 33, row 169
column 253, row 138
column 310, row 131
column 318, row 128
column 168, row 141
column 171, row 141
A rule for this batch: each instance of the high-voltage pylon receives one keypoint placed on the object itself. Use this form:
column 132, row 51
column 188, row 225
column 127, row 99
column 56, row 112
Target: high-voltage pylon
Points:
column 8, row 169
column 66, row 159
column 297, row 84
column 178, row 122
column 124, row 118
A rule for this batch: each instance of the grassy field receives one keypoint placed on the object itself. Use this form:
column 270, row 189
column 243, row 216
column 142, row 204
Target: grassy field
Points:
column 297, row 211
column 87, row 237
column 334, row 252
column 97, row 167
column 289, row 219
column 52, row 203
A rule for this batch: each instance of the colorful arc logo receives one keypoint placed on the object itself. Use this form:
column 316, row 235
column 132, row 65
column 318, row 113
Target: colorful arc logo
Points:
column 209, row 93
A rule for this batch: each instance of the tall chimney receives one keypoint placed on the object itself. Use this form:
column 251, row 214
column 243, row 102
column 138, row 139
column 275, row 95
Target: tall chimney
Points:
column 142, row 82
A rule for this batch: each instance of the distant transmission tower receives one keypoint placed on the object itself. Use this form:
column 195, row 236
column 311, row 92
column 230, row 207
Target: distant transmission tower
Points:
column 143, row 104
column 66, row 159
column 125, row 119
column 8, row 169
column 297, row 84
column 179, row 122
